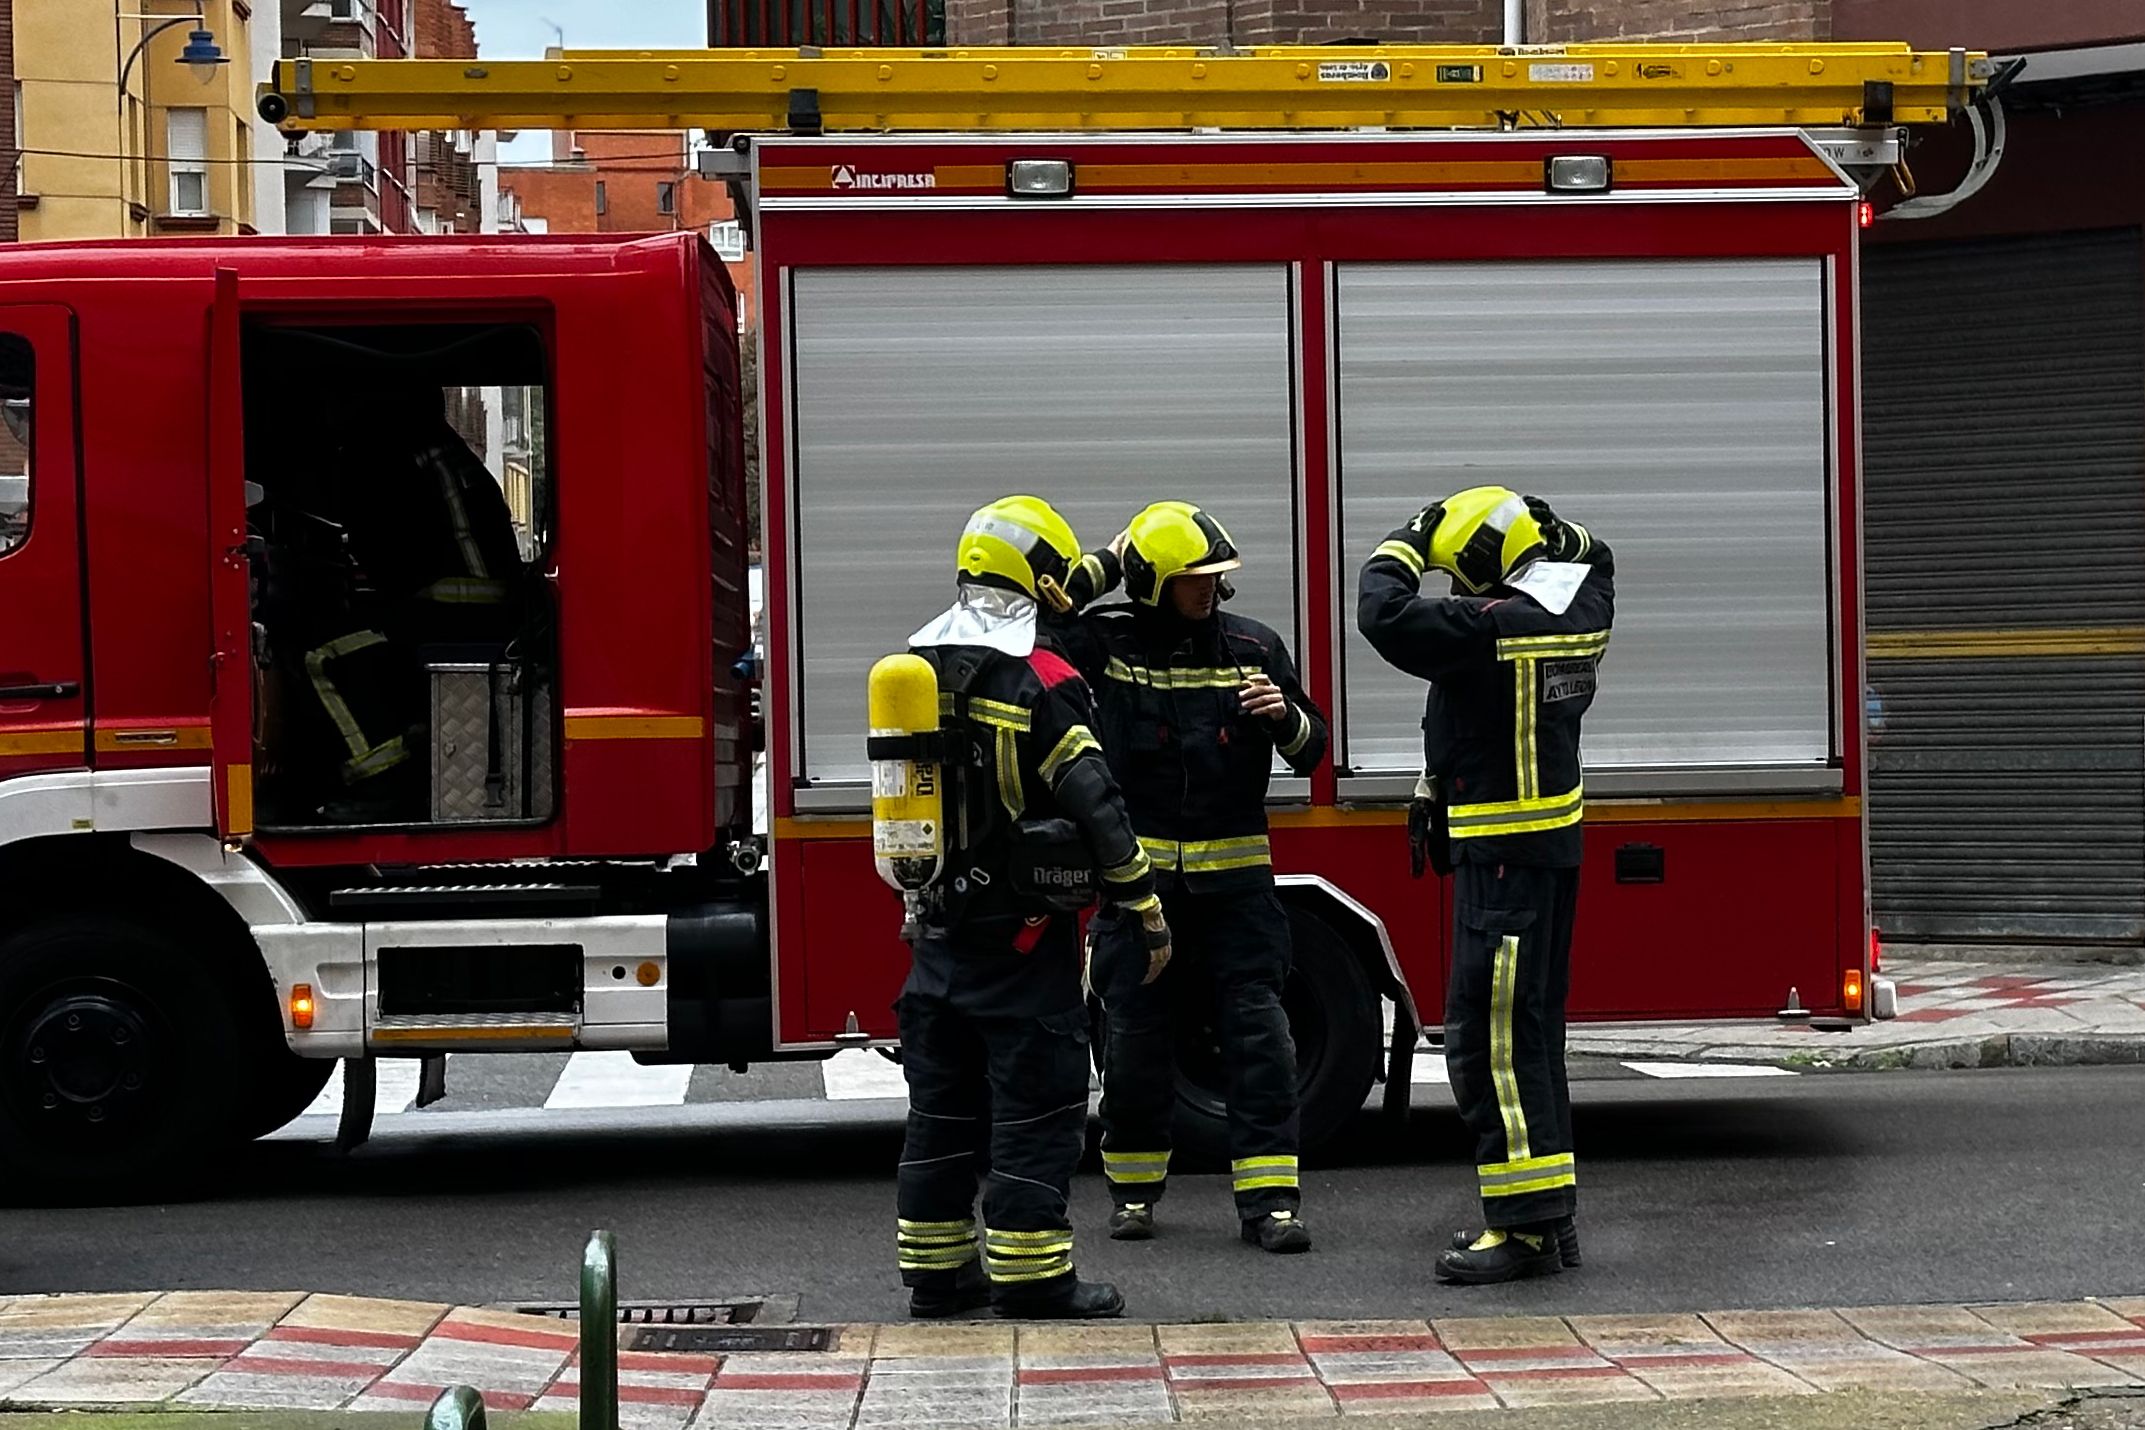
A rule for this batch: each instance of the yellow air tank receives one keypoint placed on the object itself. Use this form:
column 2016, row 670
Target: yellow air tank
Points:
column 908, row 837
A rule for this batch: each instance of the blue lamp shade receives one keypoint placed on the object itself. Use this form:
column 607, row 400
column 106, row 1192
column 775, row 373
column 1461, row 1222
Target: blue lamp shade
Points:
column 202, row 54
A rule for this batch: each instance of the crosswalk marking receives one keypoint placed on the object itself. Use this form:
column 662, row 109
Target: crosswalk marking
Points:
column 861, row 1073
column 615, row 1080
column 1697, row 1070
column 397, row 1089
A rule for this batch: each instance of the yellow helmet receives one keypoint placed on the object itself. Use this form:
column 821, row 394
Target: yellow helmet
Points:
column 1174, row 538
column 1485, row 534
column 1020, row 543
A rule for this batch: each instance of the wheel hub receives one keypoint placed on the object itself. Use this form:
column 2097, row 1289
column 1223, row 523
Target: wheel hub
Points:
column 83, row 1060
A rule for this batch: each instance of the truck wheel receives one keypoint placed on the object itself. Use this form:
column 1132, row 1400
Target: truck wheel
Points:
column 117, row 1053
column 1333, row 1019
column 283, row 1085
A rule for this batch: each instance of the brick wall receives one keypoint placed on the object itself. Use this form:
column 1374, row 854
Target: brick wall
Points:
column 444, row 31
column 10, row 136
column 1212, row 22
column 1462, row 22
column 1551, row 22
column 446, row 173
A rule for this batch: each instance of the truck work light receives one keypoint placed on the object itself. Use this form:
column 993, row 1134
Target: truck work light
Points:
column 1576, row 174
column 1039, row 179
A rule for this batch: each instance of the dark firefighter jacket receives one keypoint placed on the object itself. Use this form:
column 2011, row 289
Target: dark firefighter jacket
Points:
column 1508, row 684
column 1194, row 767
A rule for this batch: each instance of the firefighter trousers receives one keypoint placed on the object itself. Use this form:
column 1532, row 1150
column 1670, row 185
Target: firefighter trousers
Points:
column 1002, row 1098
column 1231, row 957
column 1504, row 1036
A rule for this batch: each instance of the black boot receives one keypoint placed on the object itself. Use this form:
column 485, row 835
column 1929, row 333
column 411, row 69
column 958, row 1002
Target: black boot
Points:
column 938, row 1294
column 1501, row 1256
column 1134, row 1221
column 1279, row 1232
column 1062, row 1298
column 1567, row 1242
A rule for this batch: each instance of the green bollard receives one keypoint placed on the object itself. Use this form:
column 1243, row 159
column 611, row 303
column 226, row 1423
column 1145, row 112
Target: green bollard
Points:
column 458, row 1408
column 599, row 1333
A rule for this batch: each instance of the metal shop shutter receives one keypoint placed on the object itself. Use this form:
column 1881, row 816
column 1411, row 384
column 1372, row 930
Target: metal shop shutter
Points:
column 922, row 393
column 2004, row 460
column 1676, row 406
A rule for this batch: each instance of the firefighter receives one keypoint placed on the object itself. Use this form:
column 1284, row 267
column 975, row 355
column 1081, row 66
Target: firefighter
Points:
column 434, row 547
column 1195, row 704
column 993, row 1024
column 1512, row 658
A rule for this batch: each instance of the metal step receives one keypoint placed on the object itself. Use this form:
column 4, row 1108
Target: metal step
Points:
column 520, row 1032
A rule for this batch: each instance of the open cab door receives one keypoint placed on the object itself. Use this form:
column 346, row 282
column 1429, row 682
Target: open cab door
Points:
column 230, row 573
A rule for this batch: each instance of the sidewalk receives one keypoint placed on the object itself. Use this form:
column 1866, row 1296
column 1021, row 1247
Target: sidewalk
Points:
column 241, row 1350
column 1952, row 1014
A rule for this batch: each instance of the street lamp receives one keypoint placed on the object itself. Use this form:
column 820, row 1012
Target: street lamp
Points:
column 202, row 55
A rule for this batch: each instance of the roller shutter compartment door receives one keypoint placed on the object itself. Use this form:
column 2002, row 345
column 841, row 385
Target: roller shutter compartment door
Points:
column 2004, row 465
column 922, row 393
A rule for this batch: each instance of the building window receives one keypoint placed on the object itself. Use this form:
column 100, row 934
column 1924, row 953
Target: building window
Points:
column 603, row 204
column 666, row 198
column 14, row 141
column 186, row 155
column 17, row 382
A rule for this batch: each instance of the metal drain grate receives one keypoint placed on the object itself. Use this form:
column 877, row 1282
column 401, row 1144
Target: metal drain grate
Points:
column 660, row 1313
column 728, row 1340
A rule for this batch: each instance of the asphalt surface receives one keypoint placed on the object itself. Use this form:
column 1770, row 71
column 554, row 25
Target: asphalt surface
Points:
column 1843, row 1189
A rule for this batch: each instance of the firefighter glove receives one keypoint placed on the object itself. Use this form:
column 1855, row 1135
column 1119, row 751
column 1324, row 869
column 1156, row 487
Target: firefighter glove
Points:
column 1415, row 535
column 1155, row 929
column 1427, row 831
column 1559, row 541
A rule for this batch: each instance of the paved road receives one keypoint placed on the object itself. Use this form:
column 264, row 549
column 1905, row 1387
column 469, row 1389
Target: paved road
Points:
column 1855, row 1189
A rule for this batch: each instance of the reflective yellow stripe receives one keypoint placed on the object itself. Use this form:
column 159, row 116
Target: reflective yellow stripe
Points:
column 1211, row 677
column 1523, row 714
column 366, row 759
column 1028, row 1238
column 1251, row 1174
column 1012, row 1274
column 965, row 1225
column 1135, row 1168
column 383, row 756
column 1400, row 551
column 934, row 1261
column 1144, row 903
column 1519, row 816
column 1293, row 746
column 1540, row 1184
column 1008, row 762
column 1571, row 643
column 1001, row 715
column 1504, row 983
column 1095, row 574
column 1077, row 741
column 1532, row 1174
column 1131, row 871
column 1207, row 856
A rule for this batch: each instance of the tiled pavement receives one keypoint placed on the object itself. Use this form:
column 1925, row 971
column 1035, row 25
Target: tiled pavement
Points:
column 209, row 1350
column 1951, row 1014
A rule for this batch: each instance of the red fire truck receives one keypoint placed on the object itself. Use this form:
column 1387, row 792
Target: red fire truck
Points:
column 1312, row 333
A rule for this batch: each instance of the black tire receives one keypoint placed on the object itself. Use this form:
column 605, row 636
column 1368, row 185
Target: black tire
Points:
column 281, row 1086
column 1333, row 1019
column 118, row 1057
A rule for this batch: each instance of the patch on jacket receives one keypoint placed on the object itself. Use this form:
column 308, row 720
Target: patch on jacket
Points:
column 1567, row 679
